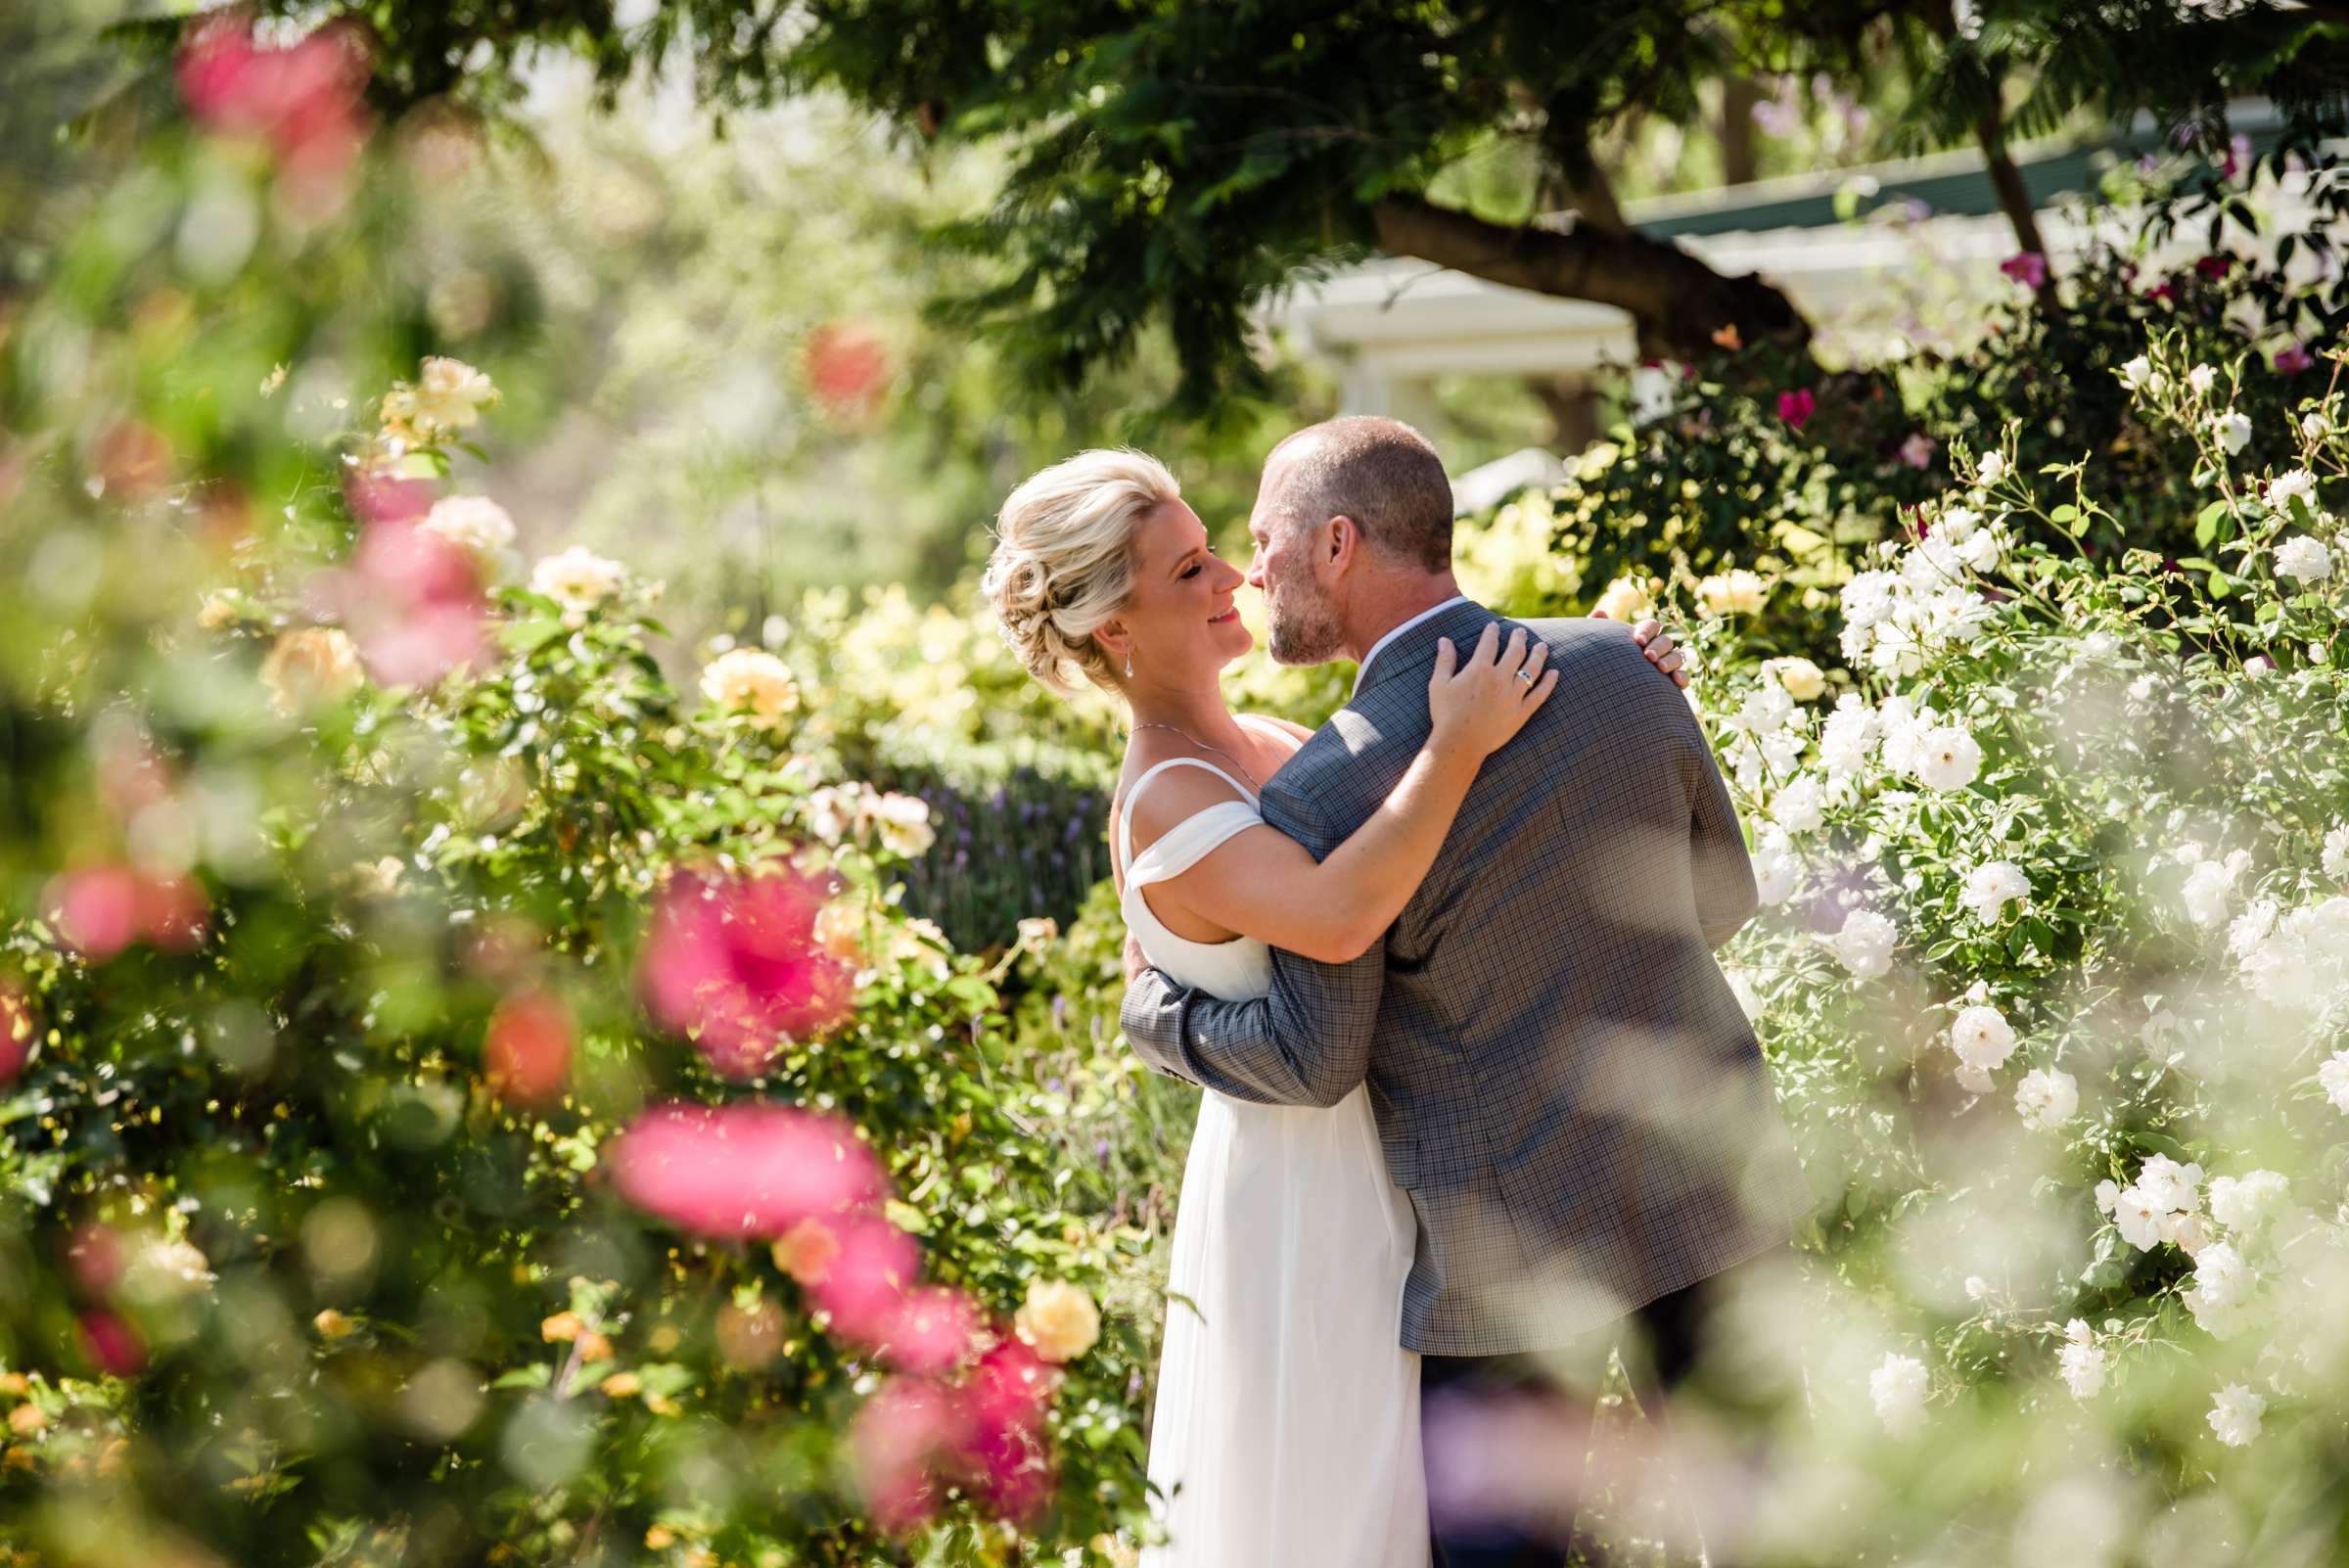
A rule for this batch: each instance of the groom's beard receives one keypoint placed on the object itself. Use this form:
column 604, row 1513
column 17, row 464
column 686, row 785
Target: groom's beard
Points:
column 1305, row 631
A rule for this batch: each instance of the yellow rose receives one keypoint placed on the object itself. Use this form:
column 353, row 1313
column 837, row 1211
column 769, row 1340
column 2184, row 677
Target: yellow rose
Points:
column 839, row 930
column 217, row 611
column 1737, row 592
column 1804, row 681
column 1058, row 1320
column 310, row 666
column 660, row 1538
column 27, row 1420
column 593, row 1347
column 562, row 1328
column 1038, row 931
column 1625, row 599
column 620, row 1385
column 16, row 1385
column 753, row 681
column 448, row 396
column 331, row 1324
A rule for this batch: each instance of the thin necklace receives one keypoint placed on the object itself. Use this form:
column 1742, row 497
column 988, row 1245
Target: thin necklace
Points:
column 1203, row 746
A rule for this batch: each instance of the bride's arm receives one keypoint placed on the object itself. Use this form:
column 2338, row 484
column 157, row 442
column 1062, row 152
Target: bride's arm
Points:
column 1264, row 884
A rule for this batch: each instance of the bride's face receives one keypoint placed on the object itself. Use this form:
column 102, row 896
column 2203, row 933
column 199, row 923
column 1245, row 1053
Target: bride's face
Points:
column 1179, row 616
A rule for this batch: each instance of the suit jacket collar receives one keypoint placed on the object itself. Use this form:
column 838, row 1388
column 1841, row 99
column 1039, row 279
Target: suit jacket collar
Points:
column 1414, row 650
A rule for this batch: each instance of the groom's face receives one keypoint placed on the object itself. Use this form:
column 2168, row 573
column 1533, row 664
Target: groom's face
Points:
column 1301, row 612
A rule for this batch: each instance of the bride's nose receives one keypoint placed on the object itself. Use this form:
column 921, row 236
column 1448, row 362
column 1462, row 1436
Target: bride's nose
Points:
column 1235, row 576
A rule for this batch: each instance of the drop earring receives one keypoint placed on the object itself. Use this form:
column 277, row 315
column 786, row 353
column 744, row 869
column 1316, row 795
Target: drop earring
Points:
column 1129, row 664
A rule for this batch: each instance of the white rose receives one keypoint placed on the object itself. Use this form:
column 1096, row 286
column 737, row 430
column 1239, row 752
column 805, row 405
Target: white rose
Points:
column 1804, row 681
column 1897, row 1387
column 1948, row 758
column 1994, row 885
column 311, row 666
column 1058, row 1320
column 2207, row 893
column 2082, row 1362
column 2202, row 378
column 1992, row 468
column 2303, row 558
column 1866, row 944
column 577, row 579
column 1775, row 869
column 2047, row 1098
column 753, row 681
column 2248, row 1203
column 2170, row 1187
column 2235, row 1413
column 1982, row 1038
column 1801, row 806
column 903, row 821
column 2294, row 484
column 2233, row 430
column 473, row 524
column 2139, row 1219
column 2333, row 1079
column 2336, row 853
column 2138, row 373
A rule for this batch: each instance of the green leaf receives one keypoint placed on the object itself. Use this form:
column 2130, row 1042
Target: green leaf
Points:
column 527, row 636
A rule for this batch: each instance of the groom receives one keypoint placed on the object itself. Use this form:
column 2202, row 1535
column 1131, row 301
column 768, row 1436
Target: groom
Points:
column 1564, row 1082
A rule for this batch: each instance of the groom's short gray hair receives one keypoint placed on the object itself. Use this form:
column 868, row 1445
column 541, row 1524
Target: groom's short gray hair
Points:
column 1379, row 472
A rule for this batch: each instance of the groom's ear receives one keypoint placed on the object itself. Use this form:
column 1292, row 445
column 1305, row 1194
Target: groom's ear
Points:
column 1343, row 541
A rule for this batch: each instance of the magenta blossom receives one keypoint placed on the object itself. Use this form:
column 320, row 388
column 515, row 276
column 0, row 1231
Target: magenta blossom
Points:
column 932, row 1329
column 2215, row 266
column 906, row 1442
column 733, row 962
column 2291, row 359
column 1797, row 407
column 305, row 101
column 16, row 1031
column 2028, row 268
column 865, row 1289
column 101, row 910
column 748, row 1171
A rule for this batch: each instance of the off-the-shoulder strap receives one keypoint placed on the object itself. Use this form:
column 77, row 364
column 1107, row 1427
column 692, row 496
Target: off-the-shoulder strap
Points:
column 1126, row 813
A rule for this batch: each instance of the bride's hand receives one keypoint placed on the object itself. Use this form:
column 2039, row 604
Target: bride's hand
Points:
column 1483, row 702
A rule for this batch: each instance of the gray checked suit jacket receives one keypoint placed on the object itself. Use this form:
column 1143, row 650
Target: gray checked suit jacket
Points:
column 1563, row 1081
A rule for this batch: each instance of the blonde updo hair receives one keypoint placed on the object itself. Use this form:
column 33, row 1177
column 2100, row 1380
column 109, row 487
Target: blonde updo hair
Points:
column 1064, row 559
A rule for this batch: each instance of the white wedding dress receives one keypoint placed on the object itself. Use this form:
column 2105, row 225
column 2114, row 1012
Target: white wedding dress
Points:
column 1287, row 1429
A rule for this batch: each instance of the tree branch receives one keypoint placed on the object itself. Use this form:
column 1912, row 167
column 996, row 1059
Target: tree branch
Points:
column 1675, row 301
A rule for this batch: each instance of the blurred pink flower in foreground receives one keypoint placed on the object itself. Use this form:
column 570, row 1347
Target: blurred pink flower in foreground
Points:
column 747, row 1172
column 1797, row 407
column 103, row 910
column 412, row 601
column 863, row 1288
column 918, row 1436
column 732, row 961
column 907, row 1435
column 1918, row 450
column 302, row 99
column 2291, row 359
column 932, row 1329
column 2029, row 268
column 110, row 1344
column 16, row 1031
column 527, row 1054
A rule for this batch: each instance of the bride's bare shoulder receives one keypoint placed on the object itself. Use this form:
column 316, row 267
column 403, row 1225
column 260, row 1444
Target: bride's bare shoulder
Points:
column 1287, row 726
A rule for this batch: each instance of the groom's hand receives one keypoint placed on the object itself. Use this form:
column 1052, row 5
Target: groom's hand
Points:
column 1662, row 652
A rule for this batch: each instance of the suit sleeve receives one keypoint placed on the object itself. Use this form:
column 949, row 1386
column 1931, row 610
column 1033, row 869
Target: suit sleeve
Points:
column 1719, row 867
column 1305, row 1043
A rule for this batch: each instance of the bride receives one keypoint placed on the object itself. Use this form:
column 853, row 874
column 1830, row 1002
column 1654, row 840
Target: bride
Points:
column 1286, row 1428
